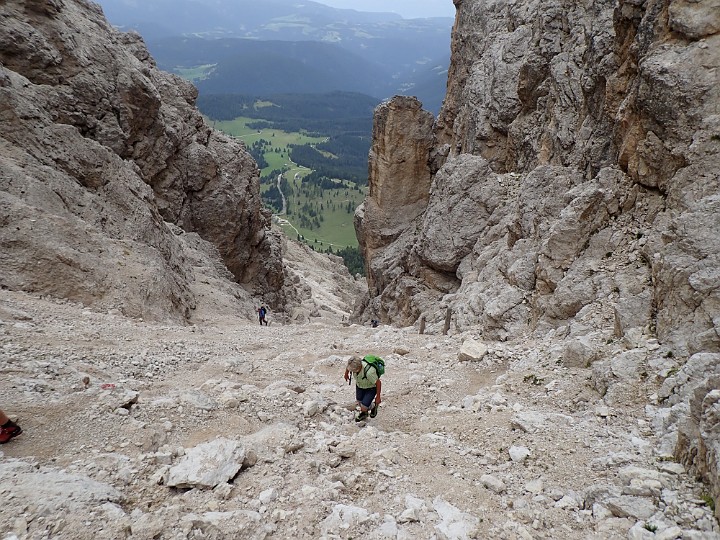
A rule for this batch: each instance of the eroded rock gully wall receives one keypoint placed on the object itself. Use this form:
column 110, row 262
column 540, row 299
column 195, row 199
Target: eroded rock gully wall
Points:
column 402, row 140
column 98, row 150
column 575, row 186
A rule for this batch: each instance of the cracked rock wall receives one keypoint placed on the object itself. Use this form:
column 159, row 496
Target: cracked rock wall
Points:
column 575, row 181
column 99, row 151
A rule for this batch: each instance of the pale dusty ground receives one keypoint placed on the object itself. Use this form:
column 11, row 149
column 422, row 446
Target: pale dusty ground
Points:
column 232, row 378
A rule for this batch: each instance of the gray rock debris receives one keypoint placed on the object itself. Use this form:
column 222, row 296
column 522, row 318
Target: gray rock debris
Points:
column 207, row 465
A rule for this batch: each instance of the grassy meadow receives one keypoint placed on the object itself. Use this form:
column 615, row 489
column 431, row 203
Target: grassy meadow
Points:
column 334, row 208
column 323, row 217
column 194, row 74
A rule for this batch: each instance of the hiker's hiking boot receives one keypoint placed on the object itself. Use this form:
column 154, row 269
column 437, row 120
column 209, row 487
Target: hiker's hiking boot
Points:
column 7, row 433
column 374, row 410
column 360, row 416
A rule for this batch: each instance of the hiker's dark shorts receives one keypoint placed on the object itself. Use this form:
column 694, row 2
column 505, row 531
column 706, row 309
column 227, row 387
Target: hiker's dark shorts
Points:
column 365, row 395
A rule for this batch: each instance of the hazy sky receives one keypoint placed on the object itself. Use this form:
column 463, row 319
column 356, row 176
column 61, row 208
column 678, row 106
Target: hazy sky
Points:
column 407, row 8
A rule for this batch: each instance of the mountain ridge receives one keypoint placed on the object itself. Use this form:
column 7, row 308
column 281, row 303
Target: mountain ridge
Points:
column 241, row 17
column 388, row 54
column 305, row 67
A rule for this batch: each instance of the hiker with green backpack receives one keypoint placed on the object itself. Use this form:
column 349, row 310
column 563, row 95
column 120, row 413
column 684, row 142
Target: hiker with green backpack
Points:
column 368, row 371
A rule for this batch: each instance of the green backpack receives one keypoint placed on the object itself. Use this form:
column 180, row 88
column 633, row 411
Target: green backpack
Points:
column 376, row 362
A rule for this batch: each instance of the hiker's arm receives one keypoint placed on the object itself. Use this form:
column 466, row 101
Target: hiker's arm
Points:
column 346, row 374
column 378, row 385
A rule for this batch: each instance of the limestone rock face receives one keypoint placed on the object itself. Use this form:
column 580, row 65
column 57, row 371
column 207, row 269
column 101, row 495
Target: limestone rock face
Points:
column 573, row 176
column 402, row 139
column 317, row 285
column 575, row 185
column 698, row 445
column 576, row 145
column 100, row 150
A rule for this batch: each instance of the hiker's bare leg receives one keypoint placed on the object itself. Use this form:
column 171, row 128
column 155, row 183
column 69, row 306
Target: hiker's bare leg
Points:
column 3, row 418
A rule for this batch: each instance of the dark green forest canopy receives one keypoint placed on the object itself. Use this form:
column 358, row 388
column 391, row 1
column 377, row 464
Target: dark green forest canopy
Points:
column 348, row 161
column 344, row 117
column 328, row 114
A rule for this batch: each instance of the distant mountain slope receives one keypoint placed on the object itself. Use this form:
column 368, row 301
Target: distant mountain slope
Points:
column 239, row 18
column 378, row 37
column 386, row 53
column 428, row 83
column 246, row 66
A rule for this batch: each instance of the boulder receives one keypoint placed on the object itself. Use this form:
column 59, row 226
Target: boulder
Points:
column 207, row 465
column 579, row 353
column 472, row 351
column 454, row 523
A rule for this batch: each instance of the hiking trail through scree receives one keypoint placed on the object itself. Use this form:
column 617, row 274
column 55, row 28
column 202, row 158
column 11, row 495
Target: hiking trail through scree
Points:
column 511, row 446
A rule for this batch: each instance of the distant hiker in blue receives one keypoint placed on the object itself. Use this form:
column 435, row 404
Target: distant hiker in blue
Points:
column 262, row 312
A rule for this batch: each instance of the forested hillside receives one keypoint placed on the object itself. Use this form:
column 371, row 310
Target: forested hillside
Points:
column 343, row 119
column 286, row 47
column 222, row 66
column 248, row 66
column 330, row 113
column 312, row 151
